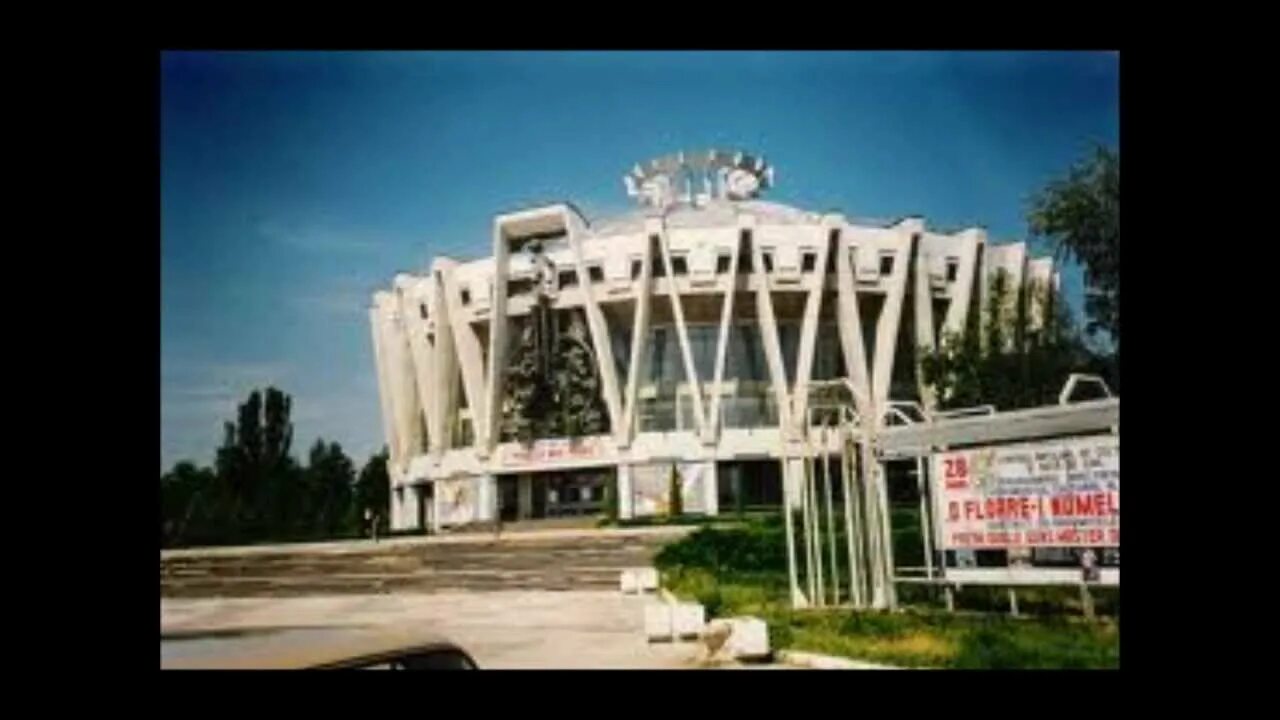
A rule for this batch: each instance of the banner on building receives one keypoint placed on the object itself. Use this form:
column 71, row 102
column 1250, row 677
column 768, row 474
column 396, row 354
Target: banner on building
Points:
column 554, row 450
column 651, row 486
column 456, row 500
column 1050, row 494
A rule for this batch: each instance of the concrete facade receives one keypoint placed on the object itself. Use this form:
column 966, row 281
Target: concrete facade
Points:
column 744, row 310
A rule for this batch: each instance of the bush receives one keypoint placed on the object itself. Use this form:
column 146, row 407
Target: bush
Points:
column 755, row 547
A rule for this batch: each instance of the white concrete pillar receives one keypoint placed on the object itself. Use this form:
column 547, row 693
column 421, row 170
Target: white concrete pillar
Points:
column 409, row 509
column 466, row 344
column 384, row 379
column 792, row 477
column 626, row 505
column 710, row 490
column 486, row 488
column 902, row 238
column 653, row 228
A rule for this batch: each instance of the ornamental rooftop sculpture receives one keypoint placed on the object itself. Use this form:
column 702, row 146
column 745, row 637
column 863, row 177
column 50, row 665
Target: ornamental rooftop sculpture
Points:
column 719, row 174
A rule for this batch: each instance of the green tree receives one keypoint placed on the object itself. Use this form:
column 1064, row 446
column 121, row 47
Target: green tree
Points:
column 187, row 503
column 524, row 388
column 257, row 491
column 1079, row 214
column 1030, row 348
column 330, row 487
column 231, row 468
column 258, row 478
column 576, row 383
column 373, row 490
column 552, row 386
column 277, row 431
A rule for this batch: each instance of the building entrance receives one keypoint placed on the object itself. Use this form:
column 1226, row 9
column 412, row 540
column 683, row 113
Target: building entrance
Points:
column 555, row 494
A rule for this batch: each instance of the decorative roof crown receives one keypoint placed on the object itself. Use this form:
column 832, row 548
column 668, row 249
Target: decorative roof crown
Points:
column 696, row 177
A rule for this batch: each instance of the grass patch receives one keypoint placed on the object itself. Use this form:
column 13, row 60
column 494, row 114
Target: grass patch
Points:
column 742, row 571
column 970, row 641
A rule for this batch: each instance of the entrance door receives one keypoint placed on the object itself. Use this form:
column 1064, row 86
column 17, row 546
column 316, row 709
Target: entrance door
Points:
column 424, row 498
column 509, row 498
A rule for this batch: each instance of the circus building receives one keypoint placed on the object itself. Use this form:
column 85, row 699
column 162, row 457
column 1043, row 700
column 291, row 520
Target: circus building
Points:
column 587, row 364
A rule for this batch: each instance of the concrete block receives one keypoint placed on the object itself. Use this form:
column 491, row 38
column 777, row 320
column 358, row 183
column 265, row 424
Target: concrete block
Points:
column 740, row 638
column 687, row 620
column 639, row 580
column 646, row 579
column 657, row 621
column 749, row 639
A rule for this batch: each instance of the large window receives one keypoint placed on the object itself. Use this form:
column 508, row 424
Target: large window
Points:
column 702, row 343
column 746, row 355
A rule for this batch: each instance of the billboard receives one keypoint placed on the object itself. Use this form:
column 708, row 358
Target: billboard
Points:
column 1060, row 493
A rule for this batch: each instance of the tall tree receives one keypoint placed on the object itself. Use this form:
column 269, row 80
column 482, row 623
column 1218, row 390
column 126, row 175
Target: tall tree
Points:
column 553, row 387
column 231, row 467
column 257, row 491
column 1031, row 347
column 249, row 433
column 255, row 468
column 373, row 489
column 576, row 383
column 330, row 483
column 526, row 399
column 277, row 431
column 1079, row 214
column 188, row 501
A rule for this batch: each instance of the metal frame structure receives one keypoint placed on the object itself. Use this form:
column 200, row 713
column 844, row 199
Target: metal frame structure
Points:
column 867, row 447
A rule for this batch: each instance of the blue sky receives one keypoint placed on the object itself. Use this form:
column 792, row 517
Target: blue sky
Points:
column 295, row 184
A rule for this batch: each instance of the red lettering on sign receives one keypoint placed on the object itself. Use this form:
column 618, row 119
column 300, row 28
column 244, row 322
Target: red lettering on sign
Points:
column 1084, row 504
column 955, row 472
column 1039, row 536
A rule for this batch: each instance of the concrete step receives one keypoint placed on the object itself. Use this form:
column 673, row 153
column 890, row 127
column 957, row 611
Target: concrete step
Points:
column 585, row 562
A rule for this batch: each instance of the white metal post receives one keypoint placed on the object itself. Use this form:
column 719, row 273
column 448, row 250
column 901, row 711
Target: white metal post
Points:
column 816, row 513
column 811, row 577
column 791, row 539
column 862, row 543
column 846, row 471
column 886, row 532
column 872, row 524
column 926, row 518
column 831, row 523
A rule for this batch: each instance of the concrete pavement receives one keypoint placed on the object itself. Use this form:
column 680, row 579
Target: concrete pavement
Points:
column 501, row 630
